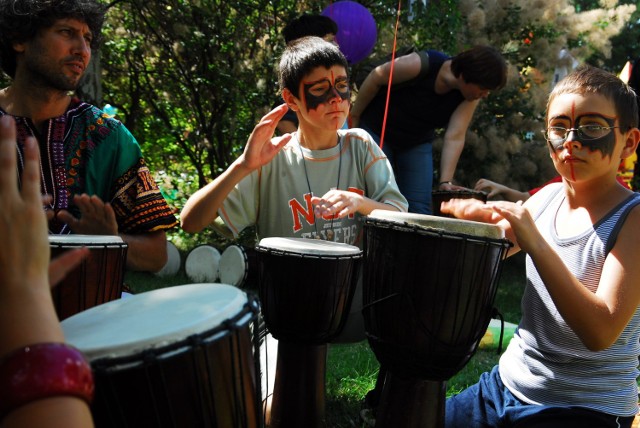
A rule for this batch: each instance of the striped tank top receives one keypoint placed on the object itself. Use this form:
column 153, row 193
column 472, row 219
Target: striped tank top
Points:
column 545, row 362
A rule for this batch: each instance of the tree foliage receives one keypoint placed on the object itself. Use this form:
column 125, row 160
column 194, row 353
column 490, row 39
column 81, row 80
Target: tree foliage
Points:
column 190, row 77
column 542, row 39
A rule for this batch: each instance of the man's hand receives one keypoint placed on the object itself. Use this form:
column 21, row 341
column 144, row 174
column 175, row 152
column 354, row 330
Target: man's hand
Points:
column 96, row 216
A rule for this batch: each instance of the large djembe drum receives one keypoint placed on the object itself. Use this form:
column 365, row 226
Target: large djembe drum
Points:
column 182, row 356
column 98, row 279
column 429, row 288
column 306, row 287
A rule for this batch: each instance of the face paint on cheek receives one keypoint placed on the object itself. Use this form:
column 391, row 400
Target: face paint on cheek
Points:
column 555, row 147
column 605, row 144
column 314, row 101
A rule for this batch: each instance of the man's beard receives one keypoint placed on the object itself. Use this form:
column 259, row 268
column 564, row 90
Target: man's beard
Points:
column 43, row 75
column 46, row 79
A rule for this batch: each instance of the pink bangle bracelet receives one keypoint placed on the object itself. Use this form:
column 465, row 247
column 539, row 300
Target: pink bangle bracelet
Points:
column 43, row 370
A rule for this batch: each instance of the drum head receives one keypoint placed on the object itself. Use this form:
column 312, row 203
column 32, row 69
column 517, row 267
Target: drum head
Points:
column 152, row 319
column 467, row 227
column 234, row 265
column 309, row 246
column 201, row 264
column 84, row 240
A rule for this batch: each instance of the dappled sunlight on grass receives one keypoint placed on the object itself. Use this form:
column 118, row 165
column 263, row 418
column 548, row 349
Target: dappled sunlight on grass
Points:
column 353, row 370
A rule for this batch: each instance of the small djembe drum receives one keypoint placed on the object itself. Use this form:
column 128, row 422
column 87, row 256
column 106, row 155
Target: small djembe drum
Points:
column 182, row 356
column 239, row 267
column 306, row 287
column 98, row 279
column 429, row 287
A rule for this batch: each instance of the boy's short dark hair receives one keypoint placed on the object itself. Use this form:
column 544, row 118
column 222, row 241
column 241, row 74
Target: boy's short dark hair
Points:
column 304, row 55
column 20, row 21
column 587, row 79
column 481, row 65
column 309, row 25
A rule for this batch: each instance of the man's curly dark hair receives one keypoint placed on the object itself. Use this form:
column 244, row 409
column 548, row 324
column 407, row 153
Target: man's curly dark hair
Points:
column 20, row 20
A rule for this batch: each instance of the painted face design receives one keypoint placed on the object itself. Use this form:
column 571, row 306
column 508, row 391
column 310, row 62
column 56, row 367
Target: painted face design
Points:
column 594, row 132
column 324, row 90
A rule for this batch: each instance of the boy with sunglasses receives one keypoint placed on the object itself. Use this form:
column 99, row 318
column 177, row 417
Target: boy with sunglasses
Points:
column 573, row 360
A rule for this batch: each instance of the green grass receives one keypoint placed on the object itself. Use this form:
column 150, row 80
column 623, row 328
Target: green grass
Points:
column 352, row 368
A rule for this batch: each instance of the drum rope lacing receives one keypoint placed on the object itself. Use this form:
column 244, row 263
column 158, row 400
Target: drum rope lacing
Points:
column 306, row 175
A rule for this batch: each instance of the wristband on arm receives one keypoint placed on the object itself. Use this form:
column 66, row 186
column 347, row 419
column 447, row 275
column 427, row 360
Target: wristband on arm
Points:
column 41, row 371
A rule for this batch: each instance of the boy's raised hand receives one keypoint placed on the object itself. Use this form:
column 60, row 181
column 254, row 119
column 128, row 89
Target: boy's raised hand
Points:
column 262, row 146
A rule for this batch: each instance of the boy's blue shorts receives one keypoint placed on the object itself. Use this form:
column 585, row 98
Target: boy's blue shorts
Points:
column 490, row 404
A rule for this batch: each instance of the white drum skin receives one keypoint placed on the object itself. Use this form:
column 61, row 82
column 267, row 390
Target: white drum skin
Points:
column 202, row 263
column 441, row 223
column 175, row 357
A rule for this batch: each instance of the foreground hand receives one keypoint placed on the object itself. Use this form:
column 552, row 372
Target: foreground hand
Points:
column 471, row 209
column 262, row 146
column 24, row 253
column 96, row 216
column 65, row 263
column 336, row 204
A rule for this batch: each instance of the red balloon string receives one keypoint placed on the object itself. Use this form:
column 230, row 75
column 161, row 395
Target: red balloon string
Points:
column 393, row 57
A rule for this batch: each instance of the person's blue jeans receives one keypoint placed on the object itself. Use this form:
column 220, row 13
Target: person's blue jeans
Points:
column 490, row 404
column 413, row 169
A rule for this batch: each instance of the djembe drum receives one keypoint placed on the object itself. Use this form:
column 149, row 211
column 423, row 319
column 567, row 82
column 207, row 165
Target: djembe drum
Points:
column 439, row 196
column 239, row 267
column 306, row 287
column 180, row 356
column 97, row 279
column 430, row 283
column 202, row 263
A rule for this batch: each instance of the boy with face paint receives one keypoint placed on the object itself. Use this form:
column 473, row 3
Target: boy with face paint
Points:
column 315, row 183
column 573, row 360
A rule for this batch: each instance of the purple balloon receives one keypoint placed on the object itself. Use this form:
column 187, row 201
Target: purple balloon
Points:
column 357, row 33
